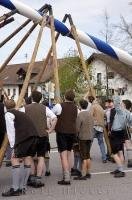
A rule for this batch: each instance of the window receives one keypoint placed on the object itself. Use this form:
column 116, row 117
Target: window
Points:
column 14, row 91
column 111, row 92
column 8, row 92
column 121, row 91
column 99, row 78
column 21, row 74
column 110, row 75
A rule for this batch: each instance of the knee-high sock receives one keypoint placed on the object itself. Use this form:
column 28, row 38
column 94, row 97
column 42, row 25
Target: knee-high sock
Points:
column 16, row 177
column 77, row 162
column 46, row 160
column 25, row 172
column 67, row 176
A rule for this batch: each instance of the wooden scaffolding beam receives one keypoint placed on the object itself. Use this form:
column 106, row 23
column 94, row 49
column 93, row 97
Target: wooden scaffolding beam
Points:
column 7, row 15
column 46, row 60
column 87, row 77
column 31, row 65
column 42, row 9
column 24, row 88
column 55, row 65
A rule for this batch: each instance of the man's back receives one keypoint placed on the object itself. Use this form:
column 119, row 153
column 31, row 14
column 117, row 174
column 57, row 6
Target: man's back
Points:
column 67, row 119
column 37, row 113
column 98, row 114
column 85, row 125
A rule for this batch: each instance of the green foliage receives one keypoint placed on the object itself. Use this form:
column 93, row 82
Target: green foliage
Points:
column 69, row 71
column 71, row 75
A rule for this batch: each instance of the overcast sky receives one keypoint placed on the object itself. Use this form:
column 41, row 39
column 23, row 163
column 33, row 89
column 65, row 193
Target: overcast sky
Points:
column 87, row 16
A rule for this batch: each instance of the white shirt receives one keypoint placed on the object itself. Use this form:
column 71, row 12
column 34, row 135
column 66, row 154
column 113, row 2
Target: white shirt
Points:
column 57, row 109
column 107, row 112
column 99, row 128
column 9, row 118
column 89, row 106
column 49, row 113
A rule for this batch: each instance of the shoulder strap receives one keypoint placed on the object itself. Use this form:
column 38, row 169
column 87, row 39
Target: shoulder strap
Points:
column 112, row 116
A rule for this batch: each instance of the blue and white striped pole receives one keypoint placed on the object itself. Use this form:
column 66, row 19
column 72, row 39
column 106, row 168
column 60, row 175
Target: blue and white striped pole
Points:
column 64, row 30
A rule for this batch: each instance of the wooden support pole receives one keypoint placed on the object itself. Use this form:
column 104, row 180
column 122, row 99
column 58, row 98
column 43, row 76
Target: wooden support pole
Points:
column 42, row 9
column 84, row 67
column 5, row 141
column 40, row 74
column 47, row 59
column 7, row 21
column 56, row 75
column 3, row 148
column 17, row 48
column 91, row 92
column 7, row 15
column 31, row 65
column 25, row 85
column 14, row 33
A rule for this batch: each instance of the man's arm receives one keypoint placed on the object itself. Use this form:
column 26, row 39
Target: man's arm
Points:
column 9, row 118
column 117, row 102
column 53, row 118
column 57, row 109
column 22, row 109
column 78, row 124
column 129, row 117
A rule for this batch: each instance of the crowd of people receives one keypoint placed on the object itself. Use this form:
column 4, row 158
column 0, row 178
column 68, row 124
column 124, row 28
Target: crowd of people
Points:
column 76, row 126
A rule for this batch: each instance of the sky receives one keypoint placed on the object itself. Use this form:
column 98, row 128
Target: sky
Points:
column 87, row 16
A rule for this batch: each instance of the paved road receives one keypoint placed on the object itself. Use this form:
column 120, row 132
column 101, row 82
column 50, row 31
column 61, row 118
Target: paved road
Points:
column 102, row 185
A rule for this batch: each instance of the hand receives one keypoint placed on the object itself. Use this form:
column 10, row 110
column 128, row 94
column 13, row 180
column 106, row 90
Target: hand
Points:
column 49, row 131
column 109, row 133
column 13, row 154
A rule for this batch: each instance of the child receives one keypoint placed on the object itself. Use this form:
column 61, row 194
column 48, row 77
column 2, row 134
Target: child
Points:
column 85, row 133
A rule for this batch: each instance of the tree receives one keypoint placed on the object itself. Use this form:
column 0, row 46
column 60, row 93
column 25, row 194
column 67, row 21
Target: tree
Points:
column 124, row 30
column 107, row 33
column 70, row 73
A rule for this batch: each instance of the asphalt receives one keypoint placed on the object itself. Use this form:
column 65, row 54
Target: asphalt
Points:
column 101, row 186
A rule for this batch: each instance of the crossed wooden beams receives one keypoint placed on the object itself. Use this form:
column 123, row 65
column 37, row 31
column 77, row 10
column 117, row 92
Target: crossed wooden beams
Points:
column 46, row 8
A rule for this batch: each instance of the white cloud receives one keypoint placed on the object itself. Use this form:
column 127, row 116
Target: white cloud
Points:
column 86, row 14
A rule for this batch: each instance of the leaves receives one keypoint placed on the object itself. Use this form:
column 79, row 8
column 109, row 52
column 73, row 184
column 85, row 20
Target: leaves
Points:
column 71, row 75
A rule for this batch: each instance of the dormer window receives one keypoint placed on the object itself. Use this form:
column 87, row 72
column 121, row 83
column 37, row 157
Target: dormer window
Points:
column 21, row 74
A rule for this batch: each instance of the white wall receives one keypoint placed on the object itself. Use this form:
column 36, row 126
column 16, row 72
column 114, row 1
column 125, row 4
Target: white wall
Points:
column 9, row 87
column 49, row 89
column 115, row 83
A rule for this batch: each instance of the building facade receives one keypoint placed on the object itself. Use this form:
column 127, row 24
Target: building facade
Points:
column 107, row 76
column 12, row 78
